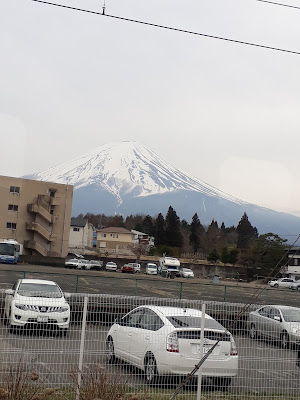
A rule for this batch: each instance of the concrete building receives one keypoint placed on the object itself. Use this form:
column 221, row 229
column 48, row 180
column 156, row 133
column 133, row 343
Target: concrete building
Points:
column 115, row 240
column 37, row 214
column 81, row 234
column 292, row 270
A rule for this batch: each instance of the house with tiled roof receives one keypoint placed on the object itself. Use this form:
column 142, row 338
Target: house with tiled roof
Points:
column 116, row 240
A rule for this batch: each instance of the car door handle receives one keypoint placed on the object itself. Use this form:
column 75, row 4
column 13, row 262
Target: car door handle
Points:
column 129, row 334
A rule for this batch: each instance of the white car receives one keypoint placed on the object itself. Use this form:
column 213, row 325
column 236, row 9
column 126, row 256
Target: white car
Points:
column 36, row 303
column 72, row 263
column 186, row 273
column 166, row 341
column 281, row 282
column 280, row 323
column 111, row 266
column 151, row 269
column 94, row 264
column 136, row 267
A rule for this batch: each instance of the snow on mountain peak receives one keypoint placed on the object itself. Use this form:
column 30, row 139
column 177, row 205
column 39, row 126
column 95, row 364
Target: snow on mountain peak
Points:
column 126, row 167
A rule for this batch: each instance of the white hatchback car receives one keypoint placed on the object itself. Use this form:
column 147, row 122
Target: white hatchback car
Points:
column 111, row 266
column 166, row 341
column 37, row 304
column 186, row 273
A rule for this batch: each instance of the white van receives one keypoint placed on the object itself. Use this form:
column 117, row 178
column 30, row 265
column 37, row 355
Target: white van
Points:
column 151, row 269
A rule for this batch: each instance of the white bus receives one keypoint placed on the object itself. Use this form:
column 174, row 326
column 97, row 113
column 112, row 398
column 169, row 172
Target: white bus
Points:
column 10, row 251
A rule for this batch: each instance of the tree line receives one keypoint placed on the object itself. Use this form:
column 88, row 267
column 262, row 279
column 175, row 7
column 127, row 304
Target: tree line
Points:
column 240, row 245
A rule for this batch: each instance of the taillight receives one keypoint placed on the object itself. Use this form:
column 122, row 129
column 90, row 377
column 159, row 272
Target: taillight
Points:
column 172, row 343
column 233, row 349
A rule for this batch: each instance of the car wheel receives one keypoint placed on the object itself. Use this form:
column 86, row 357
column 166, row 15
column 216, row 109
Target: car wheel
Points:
column 253, row 332
column 276, row 285
column 284, row 340
column 298, row 288
column 151, row 374
column 110, row 356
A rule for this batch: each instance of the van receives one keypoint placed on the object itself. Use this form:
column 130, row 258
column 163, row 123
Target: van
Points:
column 151, row 269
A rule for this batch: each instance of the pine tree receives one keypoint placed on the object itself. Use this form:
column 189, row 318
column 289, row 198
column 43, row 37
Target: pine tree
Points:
column 246, row 233
column 147, row 225
column 196, row 230
column 159, row 230
column 173, row 234
column 212, row 235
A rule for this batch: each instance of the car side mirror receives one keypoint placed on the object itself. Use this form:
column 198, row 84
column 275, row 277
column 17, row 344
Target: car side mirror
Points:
column 9, row 292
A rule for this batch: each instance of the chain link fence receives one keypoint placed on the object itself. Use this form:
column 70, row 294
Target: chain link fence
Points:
column 99, row 351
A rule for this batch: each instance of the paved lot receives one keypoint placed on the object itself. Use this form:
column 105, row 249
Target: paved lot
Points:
column 94, row 282
column 263, row 367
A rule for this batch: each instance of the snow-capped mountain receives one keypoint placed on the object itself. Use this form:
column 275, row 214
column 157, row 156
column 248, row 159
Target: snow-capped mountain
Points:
column 127, row 167
column 127, row 178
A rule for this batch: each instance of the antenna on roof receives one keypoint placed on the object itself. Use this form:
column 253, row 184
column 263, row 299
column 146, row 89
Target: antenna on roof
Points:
column 103, row 8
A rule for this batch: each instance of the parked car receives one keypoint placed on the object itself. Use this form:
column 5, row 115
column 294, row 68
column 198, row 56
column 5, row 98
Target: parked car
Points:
column 95, row 264
column 151, row 269
column 111, row 266
column 127, row 268
column 281, row 282
column 295, row 285
column 36, row 303
column 280, row 323
column 73, row 263
column 166, row 341
column 186, row 273
column 136, row 267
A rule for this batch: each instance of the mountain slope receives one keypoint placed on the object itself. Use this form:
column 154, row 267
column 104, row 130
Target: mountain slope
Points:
column 128, row 178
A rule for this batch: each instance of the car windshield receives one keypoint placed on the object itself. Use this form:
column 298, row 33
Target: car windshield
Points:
column 291, row 315
column 73, row 260
column 186, row 270
column 95, row 262
column 182, row 321
column 152, row 266
column 39, row 290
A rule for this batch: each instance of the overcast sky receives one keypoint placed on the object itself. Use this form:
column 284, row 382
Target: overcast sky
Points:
column 228, row 114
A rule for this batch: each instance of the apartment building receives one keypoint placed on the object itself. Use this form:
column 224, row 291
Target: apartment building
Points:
column 115, row 240
column 37, row 214
column 81, row 234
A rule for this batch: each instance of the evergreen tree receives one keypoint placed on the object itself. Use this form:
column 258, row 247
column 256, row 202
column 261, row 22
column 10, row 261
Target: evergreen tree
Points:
column 246, row 233
column 159, row 230
column 147, row 225
column 213, row 256
column 173, row 234
column 233, row 256
column 196, row 230
column 212, row 235
column 225, row 255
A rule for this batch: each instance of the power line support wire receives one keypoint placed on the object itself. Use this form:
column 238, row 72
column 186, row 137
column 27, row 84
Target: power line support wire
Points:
column 170, row 28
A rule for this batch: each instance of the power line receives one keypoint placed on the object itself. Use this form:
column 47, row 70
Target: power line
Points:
column 278, row 4
column 171, row 28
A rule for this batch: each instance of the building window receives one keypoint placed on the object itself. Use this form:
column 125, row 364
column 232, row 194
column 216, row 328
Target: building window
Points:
column 51, row 210
column 76, row 229
column 52, row 192
column 13, row 207
column 14, row 189
column 11, row 225
column 103, row 234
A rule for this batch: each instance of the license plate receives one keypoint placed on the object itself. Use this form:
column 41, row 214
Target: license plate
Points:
column 42, row 319
column 206, row 348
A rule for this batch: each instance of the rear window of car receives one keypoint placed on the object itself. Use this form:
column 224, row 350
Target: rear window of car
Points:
column 182, row 321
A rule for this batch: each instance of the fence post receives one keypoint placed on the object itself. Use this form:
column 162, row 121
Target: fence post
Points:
column 81, row 347
column 76, row 284
column 24, row 274
column 201, row 352
column 135, row 290
column 225, row 292
column 180, row 292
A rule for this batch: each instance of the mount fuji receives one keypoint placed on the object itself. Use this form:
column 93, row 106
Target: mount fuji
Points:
column 127, row 178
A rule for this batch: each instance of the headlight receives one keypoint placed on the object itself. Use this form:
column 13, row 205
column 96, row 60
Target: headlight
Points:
column 64, row 309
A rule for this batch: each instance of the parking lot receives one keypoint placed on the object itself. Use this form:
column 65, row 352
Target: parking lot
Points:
column 263, row 367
